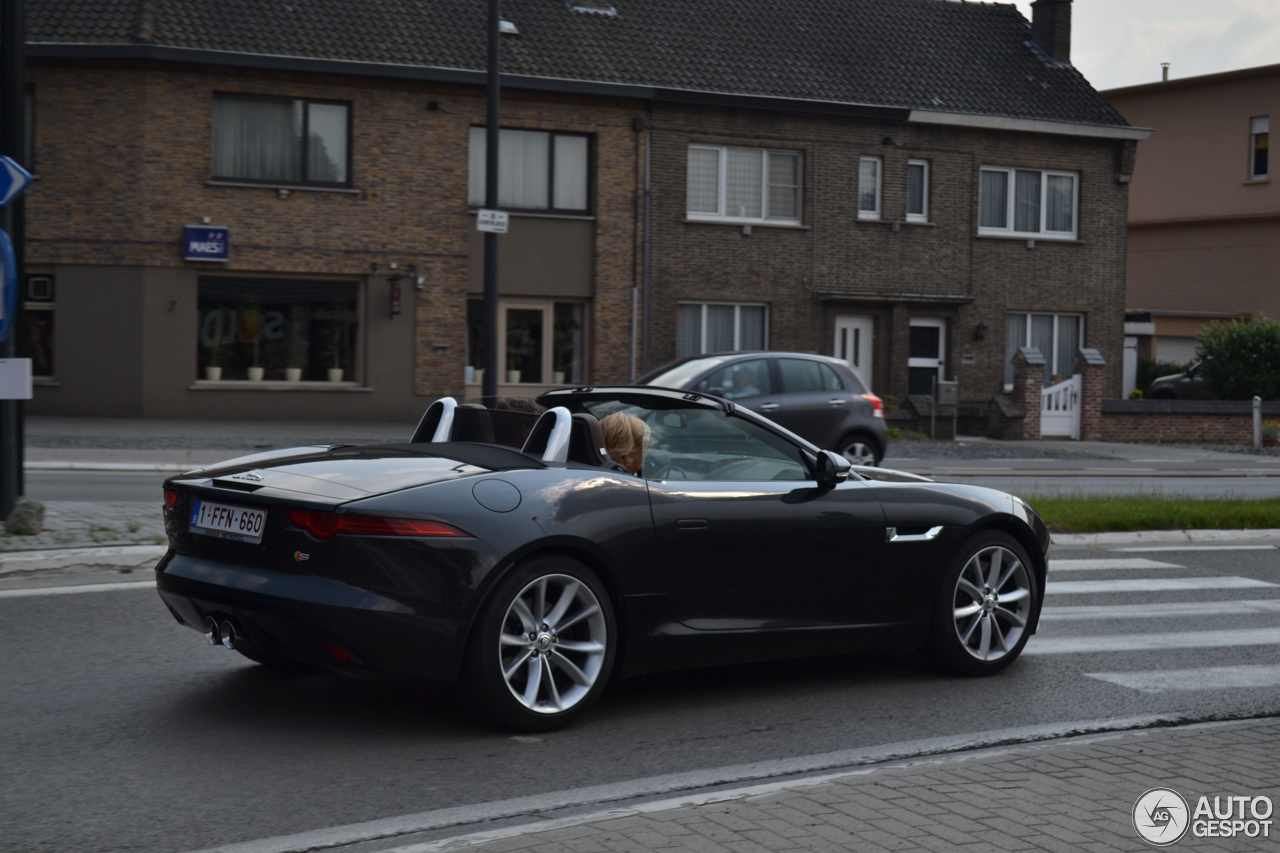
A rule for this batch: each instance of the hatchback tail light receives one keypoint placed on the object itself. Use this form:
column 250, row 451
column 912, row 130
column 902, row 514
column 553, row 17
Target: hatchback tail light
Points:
column 877, row 405
column 326, row 525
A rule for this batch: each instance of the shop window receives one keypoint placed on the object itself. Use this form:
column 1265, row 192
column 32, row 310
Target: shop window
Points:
column 276, row 329
column 543, row 342
column 281, row 140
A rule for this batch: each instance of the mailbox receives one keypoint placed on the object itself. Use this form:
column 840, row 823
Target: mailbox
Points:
column 947, row 393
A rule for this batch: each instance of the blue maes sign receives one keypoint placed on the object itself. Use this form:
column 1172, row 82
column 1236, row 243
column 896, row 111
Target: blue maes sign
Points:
column 204, row 243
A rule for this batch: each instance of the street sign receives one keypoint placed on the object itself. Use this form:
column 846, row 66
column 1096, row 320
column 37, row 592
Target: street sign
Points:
column 13, row 180
column 15, row 379
column 8, row 286
column 205, row 242
column 492, row 220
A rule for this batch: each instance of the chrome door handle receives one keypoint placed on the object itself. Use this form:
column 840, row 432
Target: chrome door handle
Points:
column 837, row 402
column 891, row 533
column 769, row 407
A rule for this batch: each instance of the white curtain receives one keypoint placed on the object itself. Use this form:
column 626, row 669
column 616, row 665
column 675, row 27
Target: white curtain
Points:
column 688, row 330
column 869, row 186
column 744, row 183
column 751, row 327
column 1060, row 204
column 257, row 138
column 327, row 143
column 570, row 169
column 784, row 185
column 994, row 203
column 703, row 186
column 719, row 335
column 915, row 189
column 1026, row 202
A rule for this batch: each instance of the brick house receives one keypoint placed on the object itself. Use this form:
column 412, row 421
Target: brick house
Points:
column 1204, row 242
column 282, row 190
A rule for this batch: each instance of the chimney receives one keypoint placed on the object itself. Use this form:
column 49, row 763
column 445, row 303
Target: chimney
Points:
column 1051, row 27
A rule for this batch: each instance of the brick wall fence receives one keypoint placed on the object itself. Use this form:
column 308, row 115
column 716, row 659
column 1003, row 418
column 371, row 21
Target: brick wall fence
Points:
column 1016, row 414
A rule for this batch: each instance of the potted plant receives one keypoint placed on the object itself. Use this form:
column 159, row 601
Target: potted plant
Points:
column 251, row 323
column 217, row 348
column 334, row 344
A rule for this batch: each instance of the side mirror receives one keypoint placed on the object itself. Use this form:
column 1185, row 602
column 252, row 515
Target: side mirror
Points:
column 832, row 468
column 716, row 391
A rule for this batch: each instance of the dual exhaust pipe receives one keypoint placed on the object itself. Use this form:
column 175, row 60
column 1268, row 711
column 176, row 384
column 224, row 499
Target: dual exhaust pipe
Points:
column 223, row 632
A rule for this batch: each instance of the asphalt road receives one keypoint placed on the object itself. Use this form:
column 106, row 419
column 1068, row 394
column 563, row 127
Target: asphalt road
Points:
column 124, row 731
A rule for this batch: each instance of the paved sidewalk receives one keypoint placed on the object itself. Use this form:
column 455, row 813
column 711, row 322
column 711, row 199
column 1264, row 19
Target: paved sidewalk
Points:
column 1068, row 795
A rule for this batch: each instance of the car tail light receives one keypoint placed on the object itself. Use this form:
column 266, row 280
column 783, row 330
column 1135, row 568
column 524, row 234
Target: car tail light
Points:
column 326, row 525
column 170, row 499
column 877, row 405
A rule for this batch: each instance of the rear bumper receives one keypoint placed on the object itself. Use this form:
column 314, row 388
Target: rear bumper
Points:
column 318, row 621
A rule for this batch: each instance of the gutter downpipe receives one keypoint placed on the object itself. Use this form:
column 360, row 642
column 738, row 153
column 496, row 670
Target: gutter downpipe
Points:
column 647, row 245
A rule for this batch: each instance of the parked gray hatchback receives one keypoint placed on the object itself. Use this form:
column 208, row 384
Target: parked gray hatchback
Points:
column 818, row 397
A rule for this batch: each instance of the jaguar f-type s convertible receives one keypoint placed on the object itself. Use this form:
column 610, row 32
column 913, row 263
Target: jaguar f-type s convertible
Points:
column 502, row 548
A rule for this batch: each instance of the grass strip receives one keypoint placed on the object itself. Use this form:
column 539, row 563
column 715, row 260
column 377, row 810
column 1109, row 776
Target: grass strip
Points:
column 1118, row 514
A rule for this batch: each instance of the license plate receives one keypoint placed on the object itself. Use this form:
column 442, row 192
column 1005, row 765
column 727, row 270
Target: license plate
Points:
column 228, row 522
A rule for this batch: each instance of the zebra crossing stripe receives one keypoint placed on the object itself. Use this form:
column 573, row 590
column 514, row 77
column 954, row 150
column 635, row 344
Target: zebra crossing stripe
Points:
column 1154, row 585
column 1205, row 678
column 1108, row 563
column 1157, row 611
column 1153, row 642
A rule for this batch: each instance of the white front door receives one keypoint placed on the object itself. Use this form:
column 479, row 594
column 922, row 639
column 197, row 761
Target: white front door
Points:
column 853, row 343
column 927, row 354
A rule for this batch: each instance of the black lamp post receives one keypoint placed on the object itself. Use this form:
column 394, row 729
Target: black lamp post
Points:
column 489, row 319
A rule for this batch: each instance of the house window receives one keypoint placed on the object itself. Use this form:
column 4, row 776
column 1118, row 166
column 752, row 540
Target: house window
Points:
column 1057, row 336
column 279, row 325
column 537, row 170
column 37, row 326
column 869, row 188
column 542, row 341
column 720, row 327
column 743, row 184
column 1259, row 141
column 917, row 190
column 281, row 140
column 1027, row 203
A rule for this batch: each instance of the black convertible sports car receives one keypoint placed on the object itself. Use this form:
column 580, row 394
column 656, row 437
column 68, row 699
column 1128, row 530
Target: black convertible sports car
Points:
column 501, row 548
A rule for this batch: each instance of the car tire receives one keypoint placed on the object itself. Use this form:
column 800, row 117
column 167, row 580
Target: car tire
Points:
column 988, row 598
column 543, row 646
column 860, row 449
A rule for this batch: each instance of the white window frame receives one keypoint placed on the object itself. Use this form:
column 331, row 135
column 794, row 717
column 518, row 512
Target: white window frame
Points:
column 877, row 180
column 1051, row 366
column 1043, row 233
column 555, row 179
column 767, row 188
column 921, row 215
column 1259, row 131
column 737, row 325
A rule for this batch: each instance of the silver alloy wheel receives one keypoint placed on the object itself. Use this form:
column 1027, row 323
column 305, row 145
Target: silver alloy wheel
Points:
column 992, row 603
column 553, row 643
column 858, row 452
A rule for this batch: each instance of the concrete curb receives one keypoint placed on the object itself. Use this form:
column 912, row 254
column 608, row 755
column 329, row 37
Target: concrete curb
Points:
column 1166, row 537
column 113, row 558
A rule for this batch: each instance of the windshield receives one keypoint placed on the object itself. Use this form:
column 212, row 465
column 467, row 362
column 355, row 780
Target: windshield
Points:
column 680, row 375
